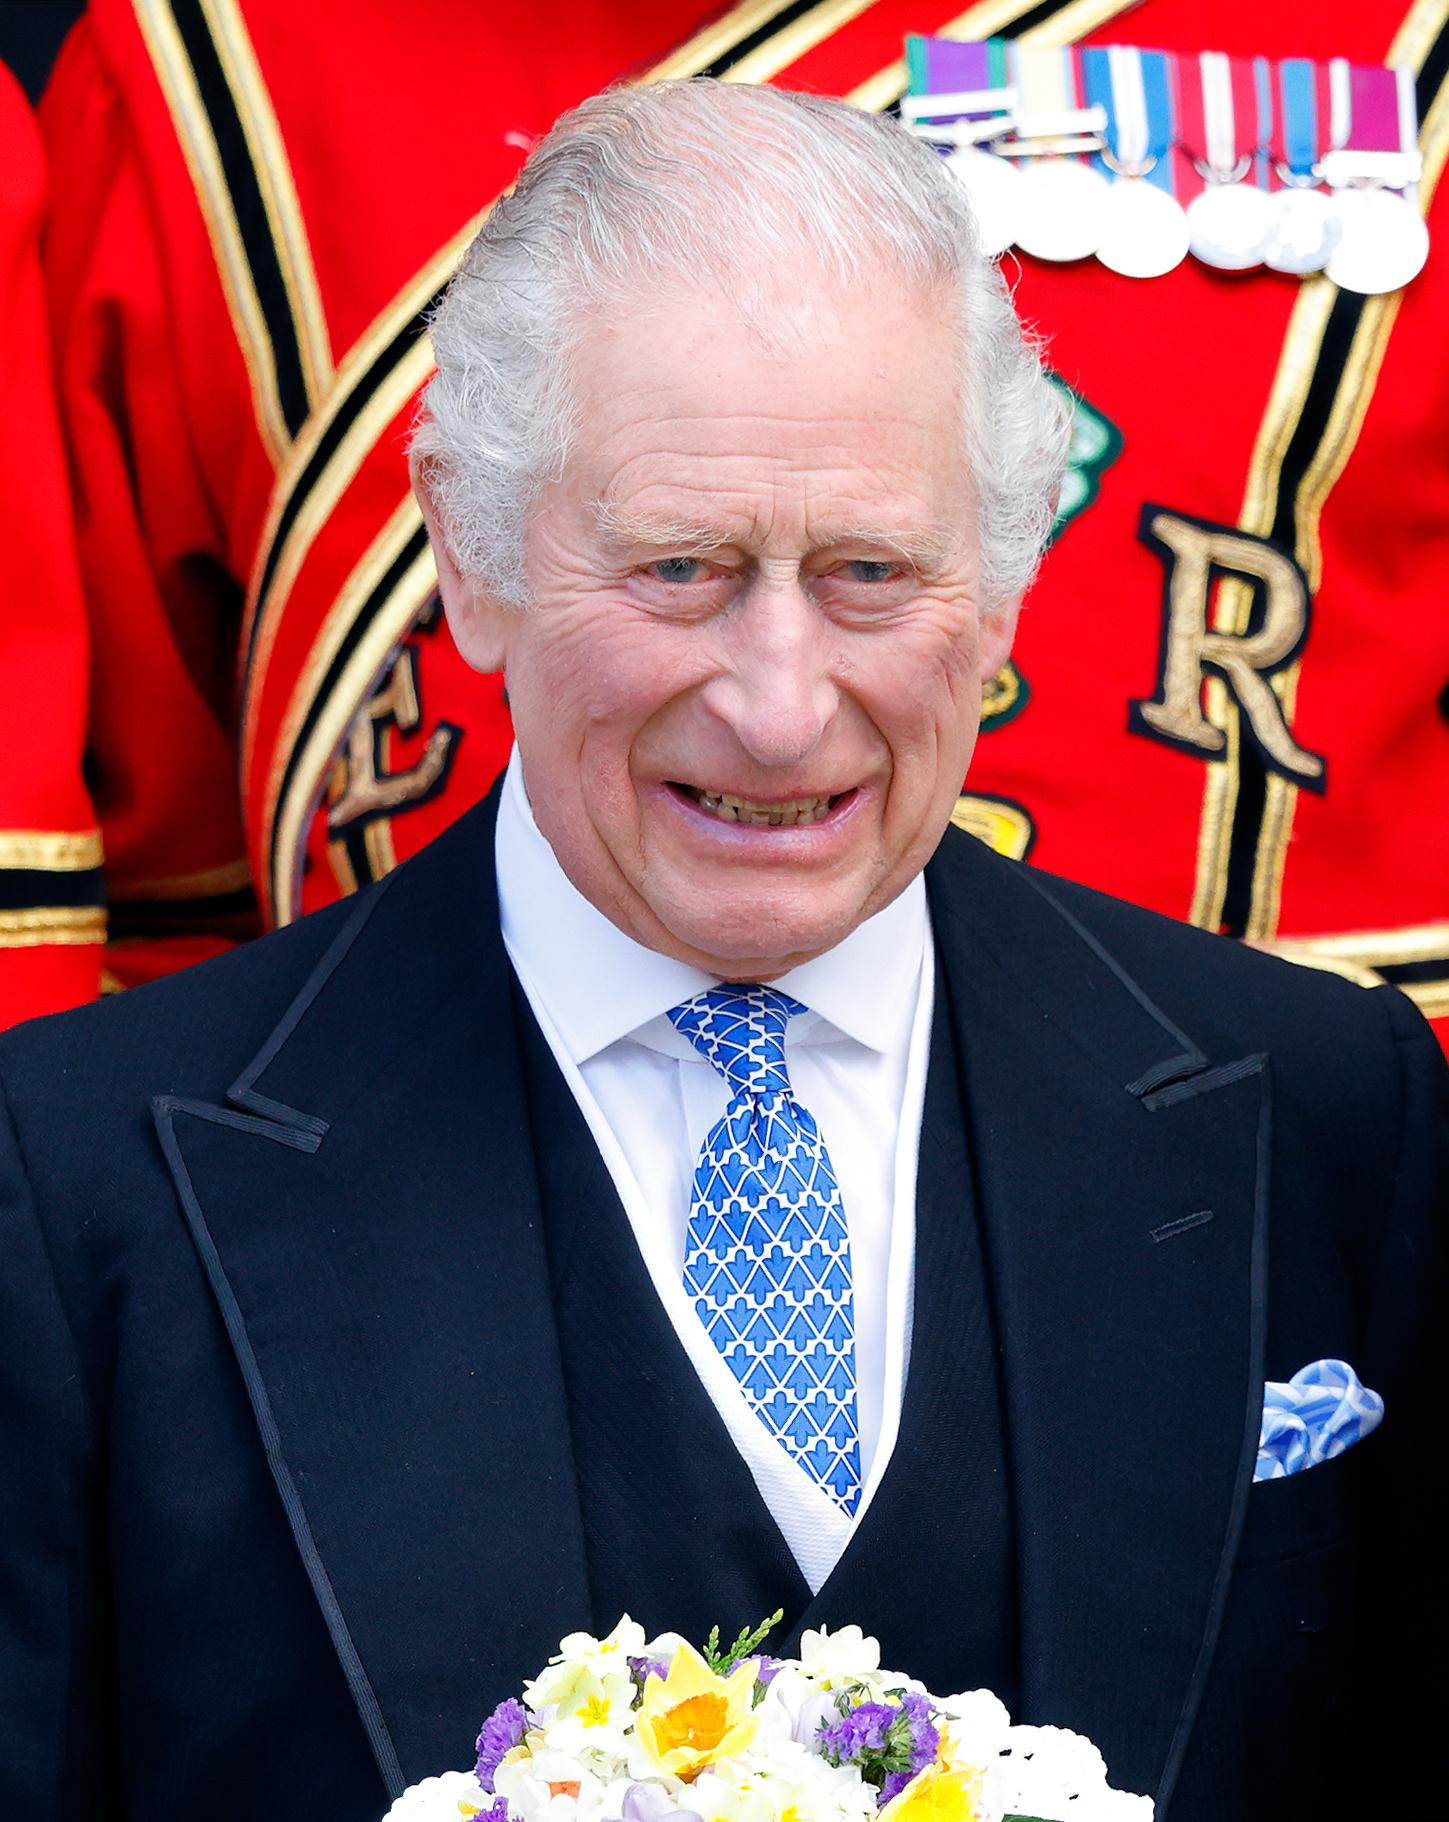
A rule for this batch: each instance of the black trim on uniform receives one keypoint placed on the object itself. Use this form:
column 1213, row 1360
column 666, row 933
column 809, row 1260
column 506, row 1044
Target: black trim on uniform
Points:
column 356, row 401
column 394, row 574
column 251, row 213
column 1343, row 322
column 787, row 15
column 25, row 888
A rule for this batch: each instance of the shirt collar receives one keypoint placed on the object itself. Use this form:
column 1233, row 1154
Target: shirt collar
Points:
column 599, row 985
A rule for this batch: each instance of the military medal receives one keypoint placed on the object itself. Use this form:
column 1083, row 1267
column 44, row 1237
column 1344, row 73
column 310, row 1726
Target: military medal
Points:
column 1231, row 222
column 1061, row 198
column 1062, row 209
column 1145, row 232
column 1306, row 230
column 961, row 99
column 1069, row 152
column 1383, row 242
column 1306, row 227
column 994, row 186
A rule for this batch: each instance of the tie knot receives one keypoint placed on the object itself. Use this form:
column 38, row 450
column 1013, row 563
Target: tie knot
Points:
column 741, row 1029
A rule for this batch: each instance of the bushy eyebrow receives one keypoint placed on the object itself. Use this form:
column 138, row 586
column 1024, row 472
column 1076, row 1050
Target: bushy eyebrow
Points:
column 625, row 528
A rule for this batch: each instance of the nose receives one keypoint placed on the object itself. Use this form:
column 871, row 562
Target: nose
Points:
column 775, row 691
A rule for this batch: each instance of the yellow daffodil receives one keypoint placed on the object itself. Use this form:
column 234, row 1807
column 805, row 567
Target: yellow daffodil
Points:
column 692, row 1717
column 938, row 1794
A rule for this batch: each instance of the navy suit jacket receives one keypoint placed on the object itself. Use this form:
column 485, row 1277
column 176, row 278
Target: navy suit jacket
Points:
column 288, row 1491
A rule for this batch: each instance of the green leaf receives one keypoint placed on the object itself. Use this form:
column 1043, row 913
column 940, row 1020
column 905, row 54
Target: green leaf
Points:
column 745, row 1646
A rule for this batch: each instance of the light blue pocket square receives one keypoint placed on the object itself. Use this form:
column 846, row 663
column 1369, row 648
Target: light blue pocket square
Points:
column 1323, row 1409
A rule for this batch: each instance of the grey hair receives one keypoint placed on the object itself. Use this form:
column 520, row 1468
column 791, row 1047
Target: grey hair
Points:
column 742, row 185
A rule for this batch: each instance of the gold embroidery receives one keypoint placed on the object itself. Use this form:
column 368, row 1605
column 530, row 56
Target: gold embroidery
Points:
column 203, row 160
column 368, row 787
column 1297, row 364
column 1431, row 997
column 317, row 508
column 792, row 41
column 284, row 829
column 50, row 850
column 716, row 40
column 343, row 465
column 1000, row 694
column 1358, row 955
column 1175, row 714
column 1001, row 824
column 279, row 193
column 66, row 925
column 1371, row 948
column 210, row 882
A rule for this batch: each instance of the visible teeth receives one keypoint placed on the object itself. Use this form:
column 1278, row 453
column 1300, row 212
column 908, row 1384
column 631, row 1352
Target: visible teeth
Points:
column 802, row 810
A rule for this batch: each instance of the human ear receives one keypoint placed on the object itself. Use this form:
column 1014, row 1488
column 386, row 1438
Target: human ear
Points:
column 478, row 621
column 998, row 630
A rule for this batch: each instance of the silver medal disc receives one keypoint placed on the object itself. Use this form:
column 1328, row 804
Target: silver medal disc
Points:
column 1145, row 233
column 1383, row 243
column 1305, row 232
column 994, row 186
column 1231, row 225
column 1061, row 207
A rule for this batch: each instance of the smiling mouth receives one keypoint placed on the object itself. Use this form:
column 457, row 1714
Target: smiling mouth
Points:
column 796, row 814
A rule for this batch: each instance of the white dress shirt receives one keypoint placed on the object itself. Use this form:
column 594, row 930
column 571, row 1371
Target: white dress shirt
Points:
column 857, row 1060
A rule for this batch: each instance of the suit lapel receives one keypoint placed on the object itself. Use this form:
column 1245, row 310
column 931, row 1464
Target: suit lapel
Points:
column 1123, row 1178
column 367, row 1210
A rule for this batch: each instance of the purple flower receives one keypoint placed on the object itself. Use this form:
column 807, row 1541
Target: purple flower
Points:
column 859, row 1730
column 641, row 1669
column 651, row 1802
column 925, row 1736
column 896, row 1782
column 769, row 1669
column 497, row 1812
column 502, row 1731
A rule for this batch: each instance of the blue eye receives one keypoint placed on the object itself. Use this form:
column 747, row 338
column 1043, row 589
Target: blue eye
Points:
column 862, row 570
column 678, row 569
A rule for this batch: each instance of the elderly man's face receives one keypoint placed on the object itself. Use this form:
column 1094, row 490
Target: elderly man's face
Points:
column 748, row 690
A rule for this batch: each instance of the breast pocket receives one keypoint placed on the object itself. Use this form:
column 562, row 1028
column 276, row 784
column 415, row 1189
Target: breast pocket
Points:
column 1315, row 1509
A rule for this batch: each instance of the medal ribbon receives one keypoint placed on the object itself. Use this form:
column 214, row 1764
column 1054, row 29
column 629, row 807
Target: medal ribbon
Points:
column 1373, row 108
column 970, row 79
column 1220, row 120
column 1045, row 78
column 1263, row 109
column 1134, row 88
column 1295, row 144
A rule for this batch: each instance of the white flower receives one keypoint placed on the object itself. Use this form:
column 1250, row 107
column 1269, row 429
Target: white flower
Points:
column 582, row 1652
column 979, row 1724
column 836, row 1658
column 448, row 1798
column 1058, row 1776
column 662, row 1649
column 594, row 1714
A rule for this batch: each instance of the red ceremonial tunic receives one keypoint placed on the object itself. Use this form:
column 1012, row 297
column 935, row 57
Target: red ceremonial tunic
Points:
column 52, row 924
column 254, row 208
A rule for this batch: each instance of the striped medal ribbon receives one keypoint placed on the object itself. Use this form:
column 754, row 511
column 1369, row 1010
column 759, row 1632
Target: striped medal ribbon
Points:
column 1146, row 232
column 1221, row 105
column 1306, row 227
column 1374, row 167
column 961, row 99
column 1063, row 199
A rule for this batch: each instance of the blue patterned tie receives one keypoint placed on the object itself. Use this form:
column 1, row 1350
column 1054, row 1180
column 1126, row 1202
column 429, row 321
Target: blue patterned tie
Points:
column 767, row 1258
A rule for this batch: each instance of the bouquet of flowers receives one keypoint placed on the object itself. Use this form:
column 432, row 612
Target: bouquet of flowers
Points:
column 627, row 1730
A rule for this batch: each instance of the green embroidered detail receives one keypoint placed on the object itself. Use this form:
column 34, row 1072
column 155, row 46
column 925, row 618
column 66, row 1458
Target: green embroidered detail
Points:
column 1096, row 443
